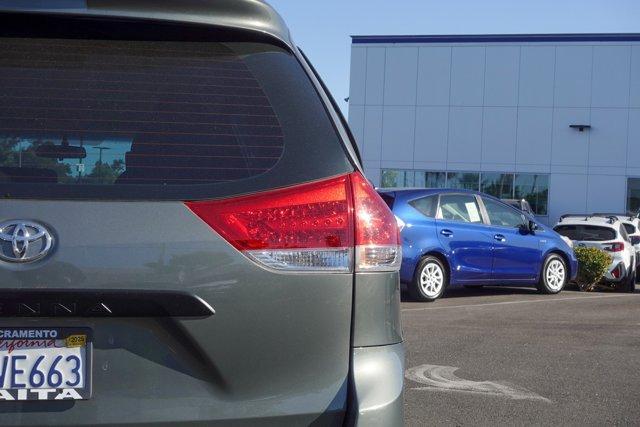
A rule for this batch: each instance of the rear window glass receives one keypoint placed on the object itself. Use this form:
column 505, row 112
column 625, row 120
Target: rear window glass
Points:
column 588, row 233
column 157, row 119
column 388, row 199
column 427, row 206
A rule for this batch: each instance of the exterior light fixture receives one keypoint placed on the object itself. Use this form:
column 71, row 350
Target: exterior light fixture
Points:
column 581, row 128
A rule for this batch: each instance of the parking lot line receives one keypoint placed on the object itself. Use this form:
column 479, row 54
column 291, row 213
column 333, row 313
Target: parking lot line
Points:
column 519, row 302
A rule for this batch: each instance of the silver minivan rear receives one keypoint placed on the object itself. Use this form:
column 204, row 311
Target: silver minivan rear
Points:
column 186, row 236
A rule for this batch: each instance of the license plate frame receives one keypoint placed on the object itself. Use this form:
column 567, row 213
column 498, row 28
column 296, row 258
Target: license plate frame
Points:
column 65, row 338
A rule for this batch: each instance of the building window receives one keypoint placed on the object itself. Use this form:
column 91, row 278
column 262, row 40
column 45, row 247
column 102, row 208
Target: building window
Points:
column 499, row 185
column 397, row 178
column 633, row 195
column 534, row 189
column 463, row 180
column 428, row 179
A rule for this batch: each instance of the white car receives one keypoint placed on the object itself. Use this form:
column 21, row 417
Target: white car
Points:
column 632, row 226
column 609, row 234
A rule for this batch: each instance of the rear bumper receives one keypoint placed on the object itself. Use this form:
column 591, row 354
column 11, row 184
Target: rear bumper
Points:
column 573, row 266
column 377, row 380
column 621, row 271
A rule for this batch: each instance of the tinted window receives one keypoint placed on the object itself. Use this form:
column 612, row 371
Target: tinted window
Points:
column 157, row 119
column 589, row 233
column 497, row 184
column 633, row 194
column 430, row 179
column 463, row 180
column 459, row 207
column 533, row 188
column 388, row 199
column 630, row 228
column 502, row 215
column 623, row 232
column 397, row 178
column 426, row 205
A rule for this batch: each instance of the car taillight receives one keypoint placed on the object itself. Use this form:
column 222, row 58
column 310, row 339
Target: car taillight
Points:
column 615, row 247
column 309, row 227
column 377, row 236
column 617, row 272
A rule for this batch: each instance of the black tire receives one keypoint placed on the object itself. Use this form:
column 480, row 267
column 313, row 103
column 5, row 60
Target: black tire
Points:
column 418, row 291
column 549, row 285
column 630, row 282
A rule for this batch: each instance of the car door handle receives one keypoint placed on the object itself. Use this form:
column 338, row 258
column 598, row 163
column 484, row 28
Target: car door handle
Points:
column 500, row 238
column 446, row 233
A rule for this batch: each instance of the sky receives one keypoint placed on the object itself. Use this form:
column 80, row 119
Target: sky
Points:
column 322, row 28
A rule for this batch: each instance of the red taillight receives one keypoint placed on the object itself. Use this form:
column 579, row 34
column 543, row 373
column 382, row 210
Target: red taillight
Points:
column 309, row 227
column 615, row 247
column 617, row 272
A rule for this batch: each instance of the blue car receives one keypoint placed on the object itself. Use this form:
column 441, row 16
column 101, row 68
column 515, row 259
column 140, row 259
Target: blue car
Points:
column 458, row 237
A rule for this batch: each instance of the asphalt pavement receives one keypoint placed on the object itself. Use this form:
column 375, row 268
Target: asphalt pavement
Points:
column 511, row 356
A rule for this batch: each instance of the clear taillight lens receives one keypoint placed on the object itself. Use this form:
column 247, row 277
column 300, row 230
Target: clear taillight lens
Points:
column 377, row 236
column 310, row 227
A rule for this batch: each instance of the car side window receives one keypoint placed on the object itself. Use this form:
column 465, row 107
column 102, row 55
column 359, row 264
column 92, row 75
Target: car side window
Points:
column 629, row 228
column 623, row 233
column 427, row 206
column 502, row 215
column 459, row 207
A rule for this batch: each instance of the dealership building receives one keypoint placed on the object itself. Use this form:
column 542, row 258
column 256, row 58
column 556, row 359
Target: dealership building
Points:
column 554, row 119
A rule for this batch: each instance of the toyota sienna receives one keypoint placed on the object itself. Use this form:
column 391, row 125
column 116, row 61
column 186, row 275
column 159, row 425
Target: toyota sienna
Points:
column 186, row 235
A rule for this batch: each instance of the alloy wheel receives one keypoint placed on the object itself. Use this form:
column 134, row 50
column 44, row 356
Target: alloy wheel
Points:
column 555, row 274
column 432, row 279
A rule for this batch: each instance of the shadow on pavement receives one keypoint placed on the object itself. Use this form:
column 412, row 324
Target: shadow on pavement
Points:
column 479, row 291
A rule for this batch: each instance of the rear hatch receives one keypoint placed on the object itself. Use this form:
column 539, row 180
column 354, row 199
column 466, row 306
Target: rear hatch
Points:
column 110, row 150
column 588, row 235
column 594, row 236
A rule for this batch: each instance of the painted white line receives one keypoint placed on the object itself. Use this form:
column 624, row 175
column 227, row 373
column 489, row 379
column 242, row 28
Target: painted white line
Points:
column 442, row 378
column 520, row 302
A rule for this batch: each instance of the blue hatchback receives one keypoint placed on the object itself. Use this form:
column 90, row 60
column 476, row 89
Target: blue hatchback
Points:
column 458, row 237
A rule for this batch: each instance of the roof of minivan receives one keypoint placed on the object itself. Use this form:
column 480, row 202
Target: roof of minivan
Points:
column 252, row 15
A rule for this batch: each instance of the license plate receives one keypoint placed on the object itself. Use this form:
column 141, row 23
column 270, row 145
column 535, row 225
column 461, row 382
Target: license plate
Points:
column 45, row 364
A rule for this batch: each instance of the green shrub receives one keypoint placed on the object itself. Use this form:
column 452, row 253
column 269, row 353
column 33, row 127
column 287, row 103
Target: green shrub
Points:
column 592, row 266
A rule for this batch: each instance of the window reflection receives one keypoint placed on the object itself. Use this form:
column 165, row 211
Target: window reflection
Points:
column 397, row 178
column 633, row 195
column 533, row 188
column 427, row 179
column 499, row 185
column 463, row 180
column 64, row 161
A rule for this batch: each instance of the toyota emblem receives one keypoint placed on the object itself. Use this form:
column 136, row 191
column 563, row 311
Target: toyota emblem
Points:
column 24, row 241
